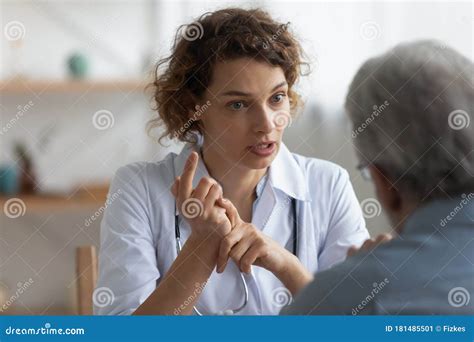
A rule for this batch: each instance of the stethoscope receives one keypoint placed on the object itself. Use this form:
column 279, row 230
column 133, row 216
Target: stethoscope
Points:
column 242, row 278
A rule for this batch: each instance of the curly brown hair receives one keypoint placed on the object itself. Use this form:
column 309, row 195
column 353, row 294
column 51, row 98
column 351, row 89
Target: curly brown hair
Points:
column 182, row 78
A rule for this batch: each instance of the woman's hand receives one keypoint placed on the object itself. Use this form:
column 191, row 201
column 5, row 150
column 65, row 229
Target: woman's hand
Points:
column 248, row 246
column 198, row 206
column 370, row 244
column 197, row 259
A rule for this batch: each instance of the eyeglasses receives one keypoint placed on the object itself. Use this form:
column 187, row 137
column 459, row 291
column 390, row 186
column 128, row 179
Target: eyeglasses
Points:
column 364, row 171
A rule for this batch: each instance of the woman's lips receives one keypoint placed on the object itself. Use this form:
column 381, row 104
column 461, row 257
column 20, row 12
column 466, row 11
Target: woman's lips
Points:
column 263, row 149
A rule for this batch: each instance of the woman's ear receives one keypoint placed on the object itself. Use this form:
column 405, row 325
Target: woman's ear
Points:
column 191, row 115
column 194, row 110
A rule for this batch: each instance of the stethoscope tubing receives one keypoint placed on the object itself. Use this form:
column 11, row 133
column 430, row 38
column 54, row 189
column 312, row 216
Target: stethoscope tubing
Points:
column 242, row 277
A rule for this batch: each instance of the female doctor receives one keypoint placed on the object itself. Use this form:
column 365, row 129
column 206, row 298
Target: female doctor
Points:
column 235, row 223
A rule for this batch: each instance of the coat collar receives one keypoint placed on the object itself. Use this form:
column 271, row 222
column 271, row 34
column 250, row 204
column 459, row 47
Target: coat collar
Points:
column 288, row 176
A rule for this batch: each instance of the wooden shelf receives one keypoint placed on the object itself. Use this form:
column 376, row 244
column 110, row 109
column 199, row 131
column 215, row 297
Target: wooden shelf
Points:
column 89, row 198
column 62, row 86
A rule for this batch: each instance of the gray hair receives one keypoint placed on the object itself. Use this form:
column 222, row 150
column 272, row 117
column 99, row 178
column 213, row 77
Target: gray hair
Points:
column 411, row 110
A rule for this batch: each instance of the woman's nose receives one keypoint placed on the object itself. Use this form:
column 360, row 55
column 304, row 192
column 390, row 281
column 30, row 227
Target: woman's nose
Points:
column 264, row 120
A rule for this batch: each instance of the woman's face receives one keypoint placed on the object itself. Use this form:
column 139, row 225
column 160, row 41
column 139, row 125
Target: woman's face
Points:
column 248, row 109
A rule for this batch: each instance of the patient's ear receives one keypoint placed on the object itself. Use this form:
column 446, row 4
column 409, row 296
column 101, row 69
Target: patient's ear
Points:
column 387, row 193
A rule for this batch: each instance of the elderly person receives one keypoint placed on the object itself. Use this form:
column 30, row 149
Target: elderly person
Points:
column 411, row 111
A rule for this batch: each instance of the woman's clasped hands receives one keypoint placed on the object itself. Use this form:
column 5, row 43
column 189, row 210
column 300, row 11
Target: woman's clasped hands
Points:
column 214, row 218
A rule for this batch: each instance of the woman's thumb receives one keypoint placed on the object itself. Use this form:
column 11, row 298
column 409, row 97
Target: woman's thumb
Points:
column 231, row 210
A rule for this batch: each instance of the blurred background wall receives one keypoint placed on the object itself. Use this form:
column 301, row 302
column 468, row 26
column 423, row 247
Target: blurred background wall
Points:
column 72, row 104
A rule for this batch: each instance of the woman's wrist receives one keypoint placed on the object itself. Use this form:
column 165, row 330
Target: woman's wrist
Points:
column 294, row 275
column 194, row 265
column 207, row 237
column 205, row 243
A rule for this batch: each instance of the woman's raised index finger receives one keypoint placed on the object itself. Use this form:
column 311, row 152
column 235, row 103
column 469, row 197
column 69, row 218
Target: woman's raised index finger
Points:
column 186, row 180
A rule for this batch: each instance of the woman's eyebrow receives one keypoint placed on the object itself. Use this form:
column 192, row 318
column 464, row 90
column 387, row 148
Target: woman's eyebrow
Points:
column 241, row 93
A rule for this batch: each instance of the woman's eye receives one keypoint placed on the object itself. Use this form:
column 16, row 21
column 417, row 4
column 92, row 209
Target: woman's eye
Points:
column 278, row 98
column 236, row 105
